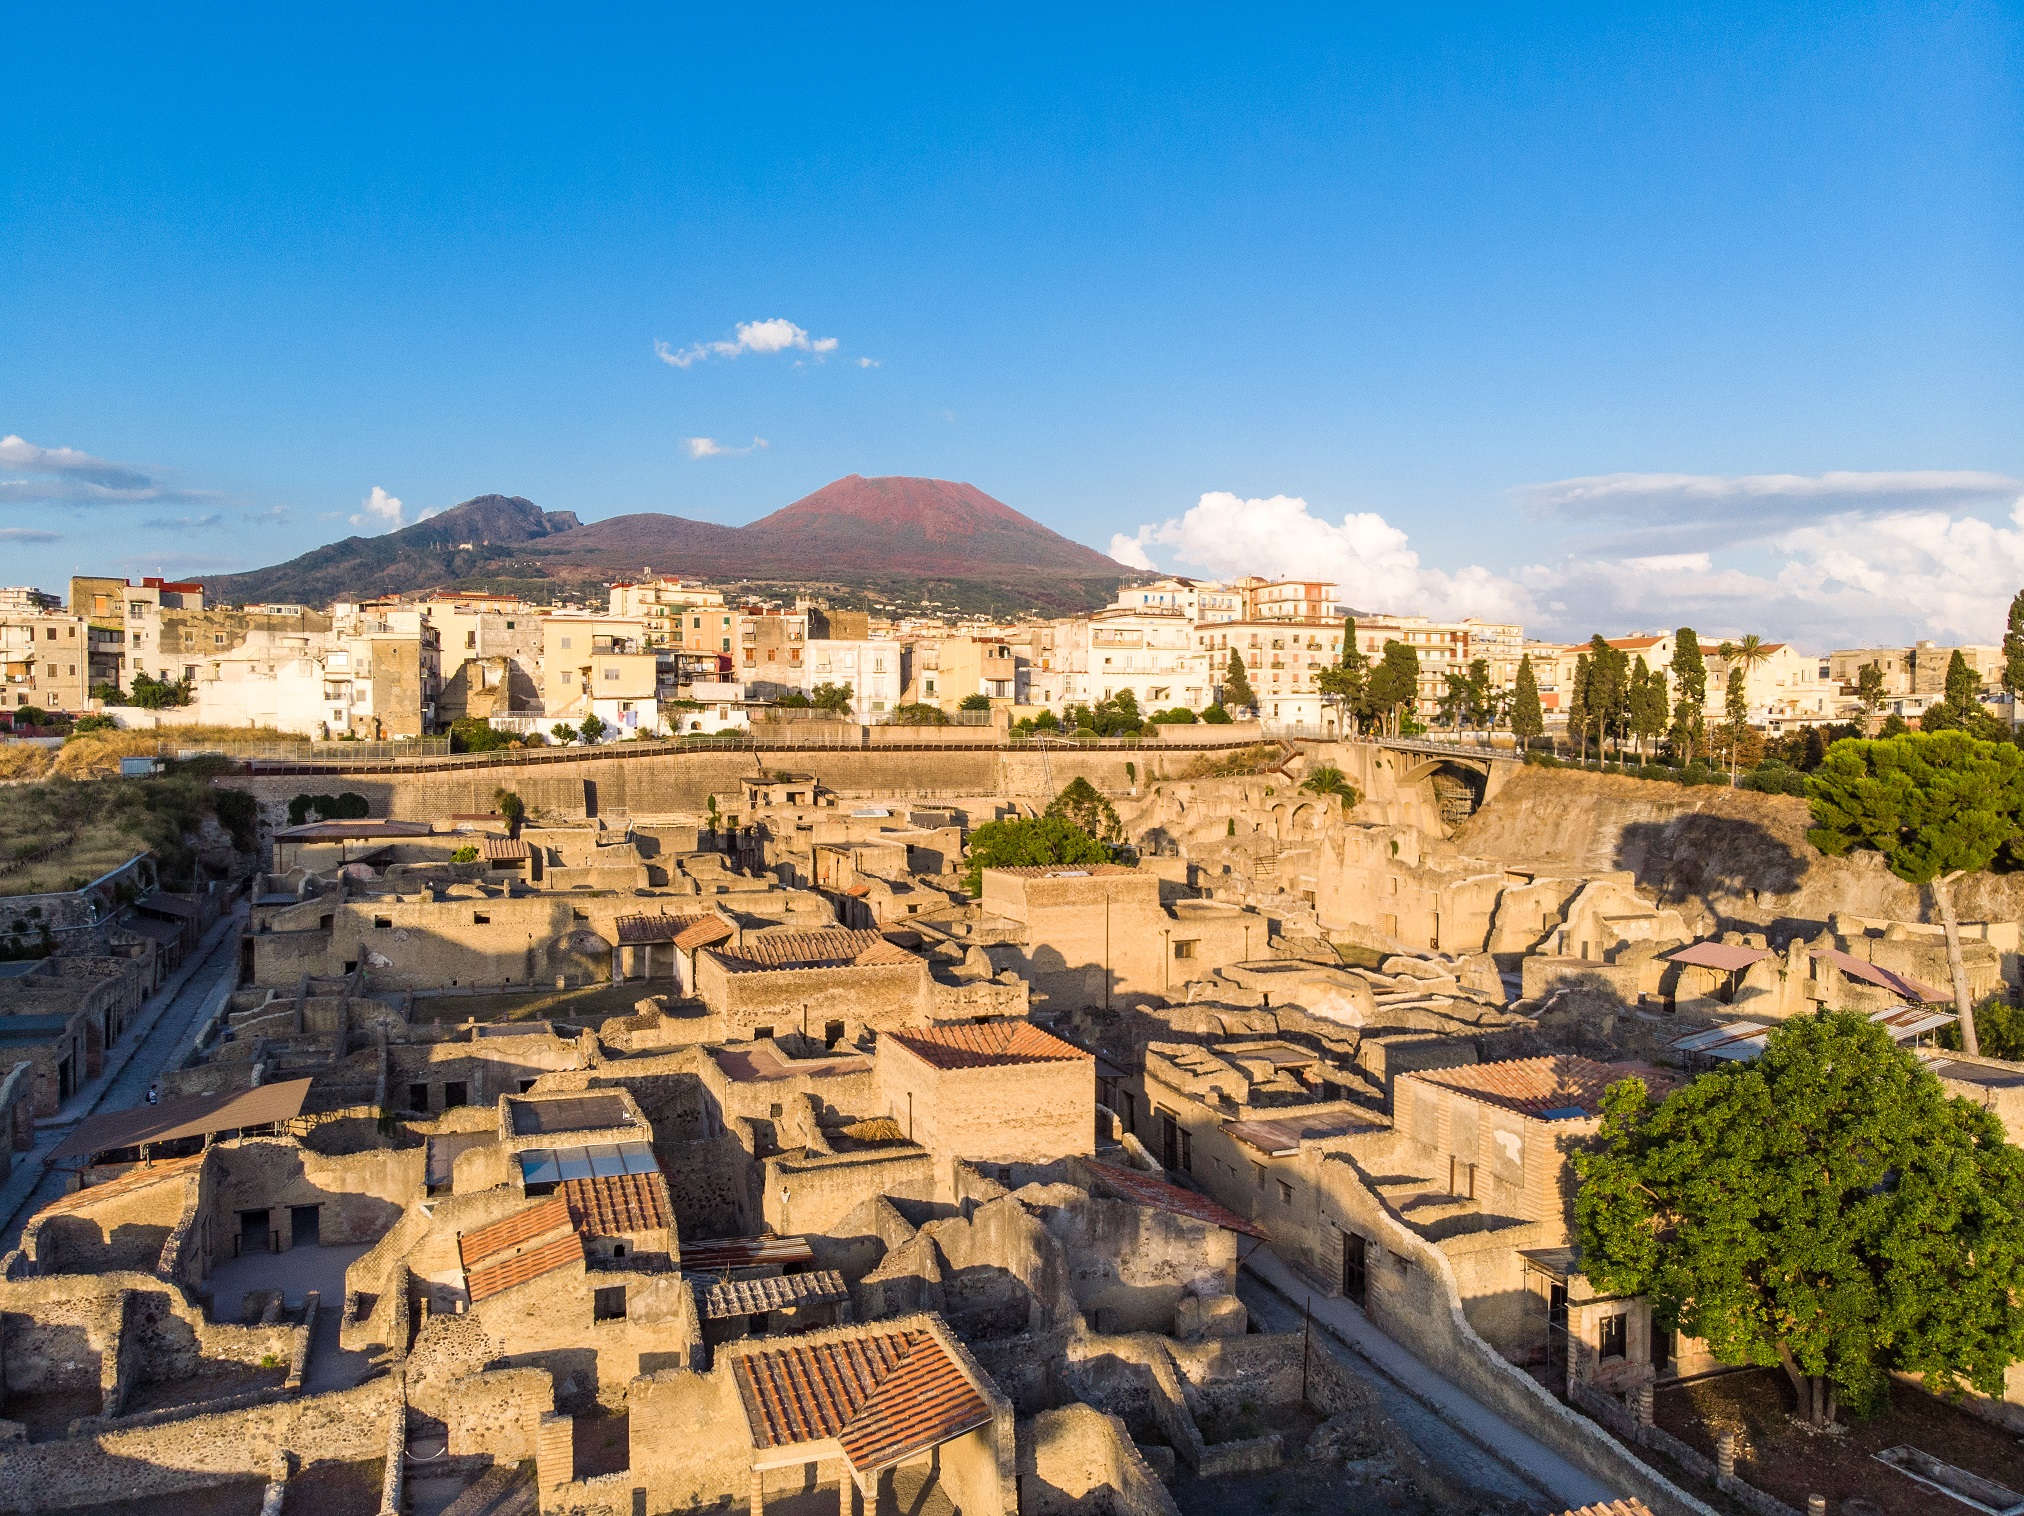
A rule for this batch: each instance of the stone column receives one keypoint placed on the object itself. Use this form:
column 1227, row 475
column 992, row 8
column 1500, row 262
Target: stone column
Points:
column 1725, row 1456
column 1816, row 1505
column 554, row 1450
column 1641, row 1404
column 757, row 1506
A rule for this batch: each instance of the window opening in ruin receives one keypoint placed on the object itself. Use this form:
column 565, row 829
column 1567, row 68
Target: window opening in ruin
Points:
column 777, row 1110
column 526, row 1085
column 1187, row 1153
column 1461, row 1179
column 1613, row 1336
column 323, row 922
column 455, row 1093
column 351, row 965
column 1258, row 1170
column 383, row 923
column 618, row 1250
column 1285, row 1193
column 479, row 918
column 253, row 1232
column 418, row 1097
column 832, row 1033
column 608, row 1304
column 1662, row 1351
column 1170, row 1141
column 760, row 1034
column 1184, row 949
column 1355, row 1267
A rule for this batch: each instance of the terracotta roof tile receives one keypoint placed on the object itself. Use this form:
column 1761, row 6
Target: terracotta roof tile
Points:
column 990, row 1044
column 1145, row 1189
column 611, row 1205
column 833, row 948
column 706, row 930
column 714, row 1255
column 507, row 1270
column 751, row 1297
column 504, row 850
column 480, row 1243
column 633, row 930
column 883, row 1396
column 137, row 1178
column 1534, row 1086
column 1631, row 1507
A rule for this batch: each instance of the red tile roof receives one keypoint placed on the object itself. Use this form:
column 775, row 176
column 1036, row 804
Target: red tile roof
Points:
column 483, row 1242
column 611, row 1205
column 505, row 1271
column 660, row 928
column 707, row 929
column 1534, row 1086
column 884, row 1396
column 503, row 849
column 138, row 1177
column 991, row 1044
column 1631, row 1507
column 834, row 948
column 1161, row 1196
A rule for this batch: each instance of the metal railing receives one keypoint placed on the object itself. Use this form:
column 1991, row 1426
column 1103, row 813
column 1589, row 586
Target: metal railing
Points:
column 306, row 750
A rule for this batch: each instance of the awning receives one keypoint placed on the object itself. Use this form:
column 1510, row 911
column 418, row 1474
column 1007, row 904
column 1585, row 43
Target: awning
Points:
column 192, row 1116
column 1724, row 956
column 1869, row 973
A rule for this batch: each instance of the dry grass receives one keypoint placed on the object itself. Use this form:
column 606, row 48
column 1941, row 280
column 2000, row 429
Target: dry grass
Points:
column 87, row 826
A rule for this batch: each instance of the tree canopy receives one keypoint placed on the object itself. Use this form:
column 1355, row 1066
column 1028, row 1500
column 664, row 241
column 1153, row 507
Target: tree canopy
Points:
column 1527, row 719
column 1690, row 687
column 1964, row 685
column 1040, row 840
column 1080, row 804
column 1827, row 1208
column 1237, row 684
column 834, row 698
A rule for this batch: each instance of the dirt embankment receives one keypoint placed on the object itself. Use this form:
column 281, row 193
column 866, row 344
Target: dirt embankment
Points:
column 1743, row 855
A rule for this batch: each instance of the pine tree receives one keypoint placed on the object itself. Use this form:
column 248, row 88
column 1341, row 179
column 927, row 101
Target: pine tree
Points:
column 1527, row 720
column 1237, row 684
column 1690, row 683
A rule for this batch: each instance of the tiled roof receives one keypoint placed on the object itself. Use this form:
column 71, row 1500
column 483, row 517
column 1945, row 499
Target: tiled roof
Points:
column 751, row 1297
column 1632, row 1507
column 633, row 930
column 834, row 948
column 714, row 1255
column 503, row 849
column 990, row 1044
column 614, row 1204
column 883, row 1396
column 137, row 1178
column 706, row 930
column 1061, row 870
column 1161, row 1196
column 1534, row 1086
column 483, row 1242
column 507, row 1270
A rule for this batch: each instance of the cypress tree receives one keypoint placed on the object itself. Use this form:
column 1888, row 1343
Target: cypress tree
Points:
column 1690, row 684
column 1527, row 720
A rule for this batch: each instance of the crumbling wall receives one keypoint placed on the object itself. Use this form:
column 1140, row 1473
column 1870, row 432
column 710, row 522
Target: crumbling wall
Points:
column 1077, row 1461
column 680, row 1469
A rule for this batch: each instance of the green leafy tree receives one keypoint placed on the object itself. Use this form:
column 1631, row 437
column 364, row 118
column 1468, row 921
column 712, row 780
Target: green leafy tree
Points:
column 1345, row 685
column 1040, row 840
column 1650, row 710
column 1215, row 715
column 563, row 732
column 1869, row 690
column 1083, row 806
column 834, row 698
column 916, row 714
column 1690, row 688
column 1935, row 805
column 465, row 854
column 1237, row 684
column 1964, row 687
column 1894, row 725
column 1327, row 779
column 1736, row 714
column 1999, row 1029
column 511, row 808
column 2013, row 655
column 1826, row 1208
column 793, row 700
column 977, row 701
column 1485, row 703
column 1528, row 721
column 152, row 694
column 1608, row 691
column 108, row 693
column 1395, row 685
column 1179, row 715
column 1455, row 701
column 593, row 727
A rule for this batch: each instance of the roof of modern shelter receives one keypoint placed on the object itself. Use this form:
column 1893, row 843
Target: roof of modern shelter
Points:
column 1061, row 870
column 1726, row 956
column 341, row 831
column 830, row 948
column 779, row 1292
column 990, row 1044
column 192, row 1116
column 633, row 930
column 503, row 849
column 715, row 1254
column 1869, row 973
column 1280, row 1137
column 567, row 1113
column 1148, row 1189
column 883, row 1395
column 1560, row 1084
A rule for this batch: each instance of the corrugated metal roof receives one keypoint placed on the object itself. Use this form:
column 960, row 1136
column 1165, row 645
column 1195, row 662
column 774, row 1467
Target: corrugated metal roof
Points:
column 715, row 1255
column 1162, row 1196
column 884, row 1396
column 751, row 1297
column 610, row 1205
column 987, row 1044
column 507, row 1270
column 481, row 1243
column 1536, row 1086
column 567, row 1113
column 1869, row 973
column 1279, row 1138
column 192, row 1116
column 1726, row 956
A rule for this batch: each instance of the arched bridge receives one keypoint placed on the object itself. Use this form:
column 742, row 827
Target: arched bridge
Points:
column 1462, row 774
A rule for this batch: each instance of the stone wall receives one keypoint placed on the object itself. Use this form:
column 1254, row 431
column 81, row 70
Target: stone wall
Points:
column 1077, row 1461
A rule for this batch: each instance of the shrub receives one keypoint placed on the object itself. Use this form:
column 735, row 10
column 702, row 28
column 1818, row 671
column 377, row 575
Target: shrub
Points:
column 1215, row 715
column 465, row 854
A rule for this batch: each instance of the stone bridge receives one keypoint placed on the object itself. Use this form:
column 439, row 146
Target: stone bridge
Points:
column 1462, row 775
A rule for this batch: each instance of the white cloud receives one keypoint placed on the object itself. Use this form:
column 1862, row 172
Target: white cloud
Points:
column 27, row 534
column 867, row 363
column 1370, row 560
column 31, row 474
column 774, row 335
column 710, row 447
column 379, row 510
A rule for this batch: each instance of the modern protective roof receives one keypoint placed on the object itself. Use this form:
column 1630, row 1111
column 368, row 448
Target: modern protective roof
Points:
column 1281, row 1137
column 1162, row 1196
column 1726, row 956
column 751, row 1297
column 833, row 948
column 659, row 928
column 882, row 1395
column 566, row 1113
column 706, row 930
column 1550, row 1086
column 1061, row 870
column 346, row 831
column 1869, row 973
column 598, row 1160
column 609, row 1205
column 506, row 1270
column 503, row 849
column 714, row 1255
column 191, row 1116
column 989, row 1044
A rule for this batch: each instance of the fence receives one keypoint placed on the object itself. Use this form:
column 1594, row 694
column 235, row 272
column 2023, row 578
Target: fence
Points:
column 308, row 751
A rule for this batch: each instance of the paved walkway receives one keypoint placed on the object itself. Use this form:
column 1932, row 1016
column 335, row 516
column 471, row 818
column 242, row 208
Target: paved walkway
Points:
column 157, row 1039
column 1342, row 1328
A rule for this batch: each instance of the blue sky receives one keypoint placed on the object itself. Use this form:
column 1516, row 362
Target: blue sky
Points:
column 1386, row 294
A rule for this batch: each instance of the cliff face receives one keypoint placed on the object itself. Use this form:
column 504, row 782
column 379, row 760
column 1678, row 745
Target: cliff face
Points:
column 1741, row 854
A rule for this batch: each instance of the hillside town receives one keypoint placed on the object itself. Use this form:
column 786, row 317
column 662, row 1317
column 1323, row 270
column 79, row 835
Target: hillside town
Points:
column 1244, row 1109
column 670, row 657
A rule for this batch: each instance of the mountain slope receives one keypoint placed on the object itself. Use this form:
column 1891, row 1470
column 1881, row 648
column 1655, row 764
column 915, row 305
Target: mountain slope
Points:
column 882, row 534
column 455, row 544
